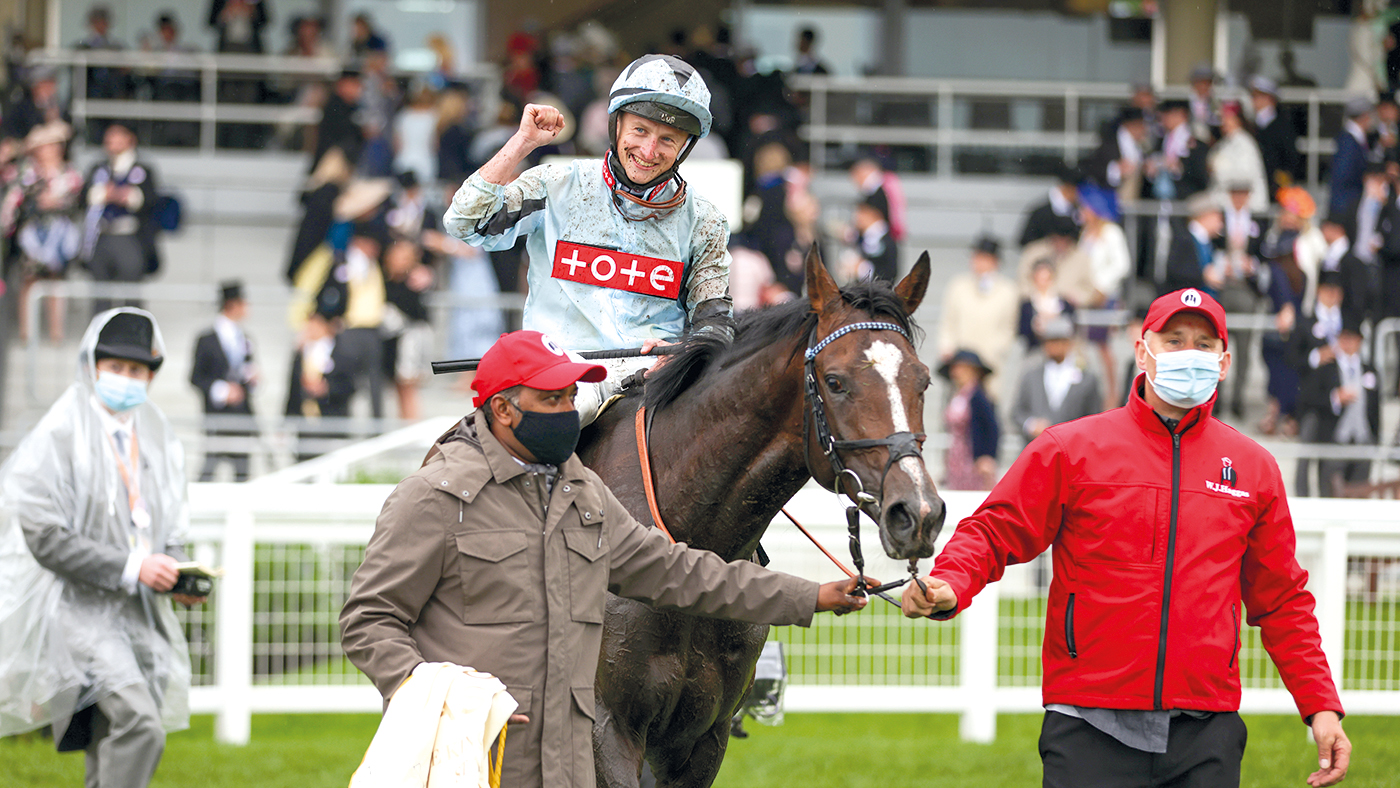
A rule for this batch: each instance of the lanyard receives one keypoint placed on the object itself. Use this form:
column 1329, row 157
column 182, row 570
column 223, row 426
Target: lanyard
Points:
column 131, row 477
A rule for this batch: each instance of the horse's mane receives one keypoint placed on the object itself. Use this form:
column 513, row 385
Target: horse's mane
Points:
column 760, row 328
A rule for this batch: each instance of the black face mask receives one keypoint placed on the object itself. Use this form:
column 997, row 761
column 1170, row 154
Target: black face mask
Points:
column 551, row 437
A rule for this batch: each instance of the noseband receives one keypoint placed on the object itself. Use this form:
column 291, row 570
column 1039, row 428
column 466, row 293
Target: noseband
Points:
column 901, row 444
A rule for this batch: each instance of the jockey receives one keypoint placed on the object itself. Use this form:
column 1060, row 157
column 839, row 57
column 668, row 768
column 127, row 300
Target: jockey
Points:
column 621, row 253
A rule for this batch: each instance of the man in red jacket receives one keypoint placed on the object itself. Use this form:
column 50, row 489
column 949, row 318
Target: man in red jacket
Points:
column 1163, row 519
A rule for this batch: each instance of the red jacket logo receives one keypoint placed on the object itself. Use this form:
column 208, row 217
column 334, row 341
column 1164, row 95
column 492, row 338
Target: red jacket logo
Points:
column 591, row 265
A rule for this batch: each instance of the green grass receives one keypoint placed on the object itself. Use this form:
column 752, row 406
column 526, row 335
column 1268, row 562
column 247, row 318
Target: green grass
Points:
column 815, row 750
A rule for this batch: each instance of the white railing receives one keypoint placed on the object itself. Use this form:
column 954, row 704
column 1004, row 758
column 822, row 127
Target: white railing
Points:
column 289, row 550
column 945, row 100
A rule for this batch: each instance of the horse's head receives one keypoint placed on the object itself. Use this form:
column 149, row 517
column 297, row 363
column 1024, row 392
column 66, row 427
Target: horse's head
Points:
column 871, row 385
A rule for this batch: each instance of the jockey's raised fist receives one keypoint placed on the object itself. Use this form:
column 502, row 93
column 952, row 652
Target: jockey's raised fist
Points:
column 540, row 124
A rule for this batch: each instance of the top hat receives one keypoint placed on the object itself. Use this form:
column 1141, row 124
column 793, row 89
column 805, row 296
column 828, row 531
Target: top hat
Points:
column 230, row 290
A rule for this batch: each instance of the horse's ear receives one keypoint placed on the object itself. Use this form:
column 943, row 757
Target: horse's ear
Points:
column 913, row 286
column 821, row 288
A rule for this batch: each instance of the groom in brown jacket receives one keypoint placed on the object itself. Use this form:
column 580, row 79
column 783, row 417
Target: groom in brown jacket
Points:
column 496, row 555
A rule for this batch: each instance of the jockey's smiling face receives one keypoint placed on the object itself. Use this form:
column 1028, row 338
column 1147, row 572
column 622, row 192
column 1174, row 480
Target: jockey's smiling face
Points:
column 646, row 147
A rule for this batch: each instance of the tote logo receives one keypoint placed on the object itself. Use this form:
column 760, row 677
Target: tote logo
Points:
column 1191, row 298
column 591, row 265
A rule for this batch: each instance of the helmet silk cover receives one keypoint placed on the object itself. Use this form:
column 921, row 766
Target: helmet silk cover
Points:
column 664, row 89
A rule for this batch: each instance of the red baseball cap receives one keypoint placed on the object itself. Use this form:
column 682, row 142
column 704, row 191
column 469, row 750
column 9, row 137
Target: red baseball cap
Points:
column 529, row 358
column 1188, row 300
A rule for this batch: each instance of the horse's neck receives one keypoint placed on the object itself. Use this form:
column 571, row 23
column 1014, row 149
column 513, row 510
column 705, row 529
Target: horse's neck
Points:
column 731, row 453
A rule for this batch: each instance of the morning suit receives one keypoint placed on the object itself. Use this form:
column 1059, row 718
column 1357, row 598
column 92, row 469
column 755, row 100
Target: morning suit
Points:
column 211, row 373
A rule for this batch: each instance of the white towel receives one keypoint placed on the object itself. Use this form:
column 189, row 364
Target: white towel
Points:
column 437, row 731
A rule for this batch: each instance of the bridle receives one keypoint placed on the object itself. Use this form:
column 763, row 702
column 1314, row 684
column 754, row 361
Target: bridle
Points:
column 900, row 444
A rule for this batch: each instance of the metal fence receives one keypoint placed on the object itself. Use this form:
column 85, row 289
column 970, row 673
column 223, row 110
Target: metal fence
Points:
column 268, row 639
column 207, row 70
column 953, row 127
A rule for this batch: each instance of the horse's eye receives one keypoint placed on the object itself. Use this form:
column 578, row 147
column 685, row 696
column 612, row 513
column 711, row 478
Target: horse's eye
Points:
column 833, row 384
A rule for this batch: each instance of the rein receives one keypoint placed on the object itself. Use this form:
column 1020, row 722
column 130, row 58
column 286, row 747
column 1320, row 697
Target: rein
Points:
column 901, row 445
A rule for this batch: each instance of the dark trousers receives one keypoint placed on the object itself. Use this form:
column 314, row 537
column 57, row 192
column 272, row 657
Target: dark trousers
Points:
column 367, row 349
column 117, row 258
column 212, row 460
column 1310, row 431
column 1201, row 753
column 1349, row 472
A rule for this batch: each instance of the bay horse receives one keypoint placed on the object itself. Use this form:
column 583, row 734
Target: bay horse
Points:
column 733, row 438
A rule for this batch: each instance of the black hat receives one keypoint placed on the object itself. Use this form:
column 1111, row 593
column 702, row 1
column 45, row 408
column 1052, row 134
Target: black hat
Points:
column 1066, row 173
column 1375, row 168
column 1332, row 278
column 128, row 336
column 230, row 290
column 1130, row 114
column 986, row 244
column 875, row 203
column 330, row 302
column 1063, row 226
column 1174, row 104
column 1351, row 322
column 964, row 357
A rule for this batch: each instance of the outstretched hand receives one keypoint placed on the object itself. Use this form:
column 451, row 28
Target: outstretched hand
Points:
column 839, row 597
column 539, row 125
column 937, row 599
column 1333, row 749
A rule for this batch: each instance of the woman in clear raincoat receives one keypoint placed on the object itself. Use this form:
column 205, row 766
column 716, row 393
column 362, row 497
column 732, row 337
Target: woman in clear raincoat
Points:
column 84, row 546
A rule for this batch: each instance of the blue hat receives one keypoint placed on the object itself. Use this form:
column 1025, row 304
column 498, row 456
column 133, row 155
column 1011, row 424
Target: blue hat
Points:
column 1101, row 200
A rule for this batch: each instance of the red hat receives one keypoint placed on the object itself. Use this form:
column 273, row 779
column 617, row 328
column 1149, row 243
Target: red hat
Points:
column 529, row 358
column 1188, row 300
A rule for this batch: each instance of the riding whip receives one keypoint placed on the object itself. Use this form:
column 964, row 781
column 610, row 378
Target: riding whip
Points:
column 470, row 364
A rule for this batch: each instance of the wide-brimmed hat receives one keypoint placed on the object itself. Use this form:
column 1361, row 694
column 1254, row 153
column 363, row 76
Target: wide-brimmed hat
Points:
column 964, row 357
column 52, row 133
column 1262, row 84
column 362, row 196
column 1102, row 200
column 128, row 336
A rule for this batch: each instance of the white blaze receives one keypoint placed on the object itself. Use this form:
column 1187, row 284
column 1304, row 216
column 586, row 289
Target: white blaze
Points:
column 887, row 358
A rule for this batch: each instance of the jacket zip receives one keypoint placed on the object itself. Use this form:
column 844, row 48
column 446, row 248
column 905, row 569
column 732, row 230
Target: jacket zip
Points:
column 1167, row 579
column 1069, row 628
column 1235, row 616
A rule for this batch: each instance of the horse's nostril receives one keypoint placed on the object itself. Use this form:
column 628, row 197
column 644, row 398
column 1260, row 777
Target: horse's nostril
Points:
column 899, row 520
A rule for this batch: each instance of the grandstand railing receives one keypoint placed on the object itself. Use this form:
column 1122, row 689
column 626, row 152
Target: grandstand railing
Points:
column 209, row 68
column 268, row 641
column 1055, row 120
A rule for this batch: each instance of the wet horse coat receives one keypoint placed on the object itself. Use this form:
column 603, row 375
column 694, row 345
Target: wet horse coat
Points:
column 728, row 451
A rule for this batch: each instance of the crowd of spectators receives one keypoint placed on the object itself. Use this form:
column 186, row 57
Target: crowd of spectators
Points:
column 385, row 157
column 389, row 151
column 1302, row 283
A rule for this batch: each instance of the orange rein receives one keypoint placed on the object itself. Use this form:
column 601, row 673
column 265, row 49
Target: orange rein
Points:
column 648, row 484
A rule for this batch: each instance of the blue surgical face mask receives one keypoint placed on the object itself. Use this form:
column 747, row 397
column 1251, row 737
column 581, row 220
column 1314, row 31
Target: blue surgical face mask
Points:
column 1186, row 378
column 120, row 392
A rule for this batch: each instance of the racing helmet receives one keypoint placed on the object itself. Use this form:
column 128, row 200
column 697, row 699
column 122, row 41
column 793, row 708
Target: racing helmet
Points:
column 665, row 89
